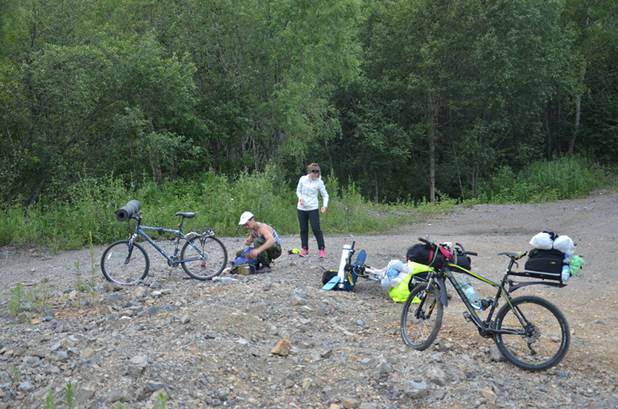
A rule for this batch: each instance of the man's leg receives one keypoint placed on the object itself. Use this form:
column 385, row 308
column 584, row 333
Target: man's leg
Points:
column 262, row 258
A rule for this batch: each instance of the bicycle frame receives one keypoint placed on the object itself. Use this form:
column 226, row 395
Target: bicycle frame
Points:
column 172, row 260
column 485, row 327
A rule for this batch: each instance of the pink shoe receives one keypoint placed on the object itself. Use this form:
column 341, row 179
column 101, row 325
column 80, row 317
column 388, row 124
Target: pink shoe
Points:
column 304, row 253
column 322, row 253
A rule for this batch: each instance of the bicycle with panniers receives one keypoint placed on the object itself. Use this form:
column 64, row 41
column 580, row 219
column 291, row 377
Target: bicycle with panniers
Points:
column 528, row 330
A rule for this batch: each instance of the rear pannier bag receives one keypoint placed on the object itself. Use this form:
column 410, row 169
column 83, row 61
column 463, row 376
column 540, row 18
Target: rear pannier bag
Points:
column 545, row 264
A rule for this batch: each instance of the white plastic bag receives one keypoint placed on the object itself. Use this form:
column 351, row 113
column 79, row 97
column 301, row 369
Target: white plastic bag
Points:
column 564, row 244
column 395, row 271
column 542, row 241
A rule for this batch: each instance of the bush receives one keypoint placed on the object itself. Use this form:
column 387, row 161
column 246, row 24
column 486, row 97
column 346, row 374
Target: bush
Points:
column 87, row 217
column 563, row 178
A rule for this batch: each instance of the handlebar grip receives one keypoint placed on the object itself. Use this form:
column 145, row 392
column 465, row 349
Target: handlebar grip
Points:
column 471, row 253
column 460, row 246
column 425, row 241
column 128, row 211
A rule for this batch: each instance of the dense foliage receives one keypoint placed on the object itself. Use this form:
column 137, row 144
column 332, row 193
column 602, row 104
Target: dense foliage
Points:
column 409, row 99
column 86, row 215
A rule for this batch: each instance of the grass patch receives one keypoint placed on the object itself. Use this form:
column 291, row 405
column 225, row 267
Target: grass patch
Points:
column 86, row 216
column 161, row 400
column 563, row 178
column 50, row 400
column 70, row 398
column 28, row 299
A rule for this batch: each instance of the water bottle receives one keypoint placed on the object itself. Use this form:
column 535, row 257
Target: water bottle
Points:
column 225, row 280
column 345, row 255
column 566, row 268
column 471, row 294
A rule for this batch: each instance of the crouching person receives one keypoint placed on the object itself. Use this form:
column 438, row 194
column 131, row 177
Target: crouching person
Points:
column 264, row 245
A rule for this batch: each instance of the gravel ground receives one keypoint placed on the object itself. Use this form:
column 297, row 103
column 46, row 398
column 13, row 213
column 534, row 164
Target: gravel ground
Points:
column 211, row 344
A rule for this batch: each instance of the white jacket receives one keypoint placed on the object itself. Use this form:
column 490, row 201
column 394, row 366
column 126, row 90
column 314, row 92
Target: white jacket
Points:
column 307, row 190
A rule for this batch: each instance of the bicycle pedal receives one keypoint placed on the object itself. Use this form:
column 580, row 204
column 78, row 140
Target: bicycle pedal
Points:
column 467, row 316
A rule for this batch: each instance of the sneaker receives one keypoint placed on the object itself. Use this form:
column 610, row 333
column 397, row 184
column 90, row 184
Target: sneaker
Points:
column 304, row 253
column 322, row 253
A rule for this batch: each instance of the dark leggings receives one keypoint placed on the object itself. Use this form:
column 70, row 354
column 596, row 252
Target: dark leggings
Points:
column 313, row 216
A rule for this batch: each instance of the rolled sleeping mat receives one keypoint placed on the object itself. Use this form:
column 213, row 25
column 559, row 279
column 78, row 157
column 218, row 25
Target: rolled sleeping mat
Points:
column 127, row 211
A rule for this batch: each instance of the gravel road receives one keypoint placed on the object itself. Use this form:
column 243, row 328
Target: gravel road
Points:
column 210, row 344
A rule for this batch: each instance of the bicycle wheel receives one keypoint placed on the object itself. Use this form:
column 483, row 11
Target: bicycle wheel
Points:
column 125, row 264
column 421, row 317
column 203, row 257
column 538, row 335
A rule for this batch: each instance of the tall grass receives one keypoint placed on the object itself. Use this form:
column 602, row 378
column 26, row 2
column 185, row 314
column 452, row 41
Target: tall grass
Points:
column 562, row 178
column 87, row 217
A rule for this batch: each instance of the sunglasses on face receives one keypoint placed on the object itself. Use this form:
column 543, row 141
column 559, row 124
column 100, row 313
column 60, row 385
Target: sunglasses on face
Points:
column 315, row 171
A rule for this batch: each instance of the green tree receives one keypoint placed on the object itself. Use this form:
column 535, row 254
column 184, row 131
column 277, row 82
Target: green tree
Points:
column 466, row 82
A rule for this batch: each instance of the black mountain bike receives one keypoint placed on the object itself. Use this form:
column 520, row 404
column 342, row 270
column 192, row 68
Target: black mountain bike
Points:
column 529, row 331
column 125, row 262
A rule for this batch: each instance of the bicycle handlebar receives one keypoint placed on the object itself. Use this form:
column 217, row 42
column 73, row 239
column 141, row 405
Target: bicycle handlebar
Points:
column 468, row 253
column 128, row 211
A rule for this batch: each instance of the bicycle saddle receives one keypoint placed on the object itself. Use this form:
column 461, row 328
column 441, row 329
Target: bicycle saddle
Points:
column 188, row 215
column 514, row 255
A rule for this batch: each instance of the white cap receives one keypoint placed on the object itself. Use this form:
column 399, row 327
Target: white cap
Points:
column 245, row 217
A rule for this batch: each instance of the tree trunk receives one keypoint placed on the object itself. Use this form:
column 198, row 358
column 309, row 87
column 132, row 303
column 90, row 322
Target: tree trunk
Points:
column 548, row 135
column 431, row 141
column 578, row 111
column 155, row 166
column 377, row 192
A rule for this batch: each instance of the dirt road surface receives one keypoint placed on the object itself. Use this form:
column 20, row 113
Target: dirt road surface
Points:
column 339, row 340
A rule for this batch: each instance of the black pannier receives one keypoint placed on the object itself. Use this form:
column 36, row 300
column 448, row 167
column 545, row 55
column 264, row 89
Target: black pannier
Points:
column 425, row 254
column 327, row 275
column 546, row 264
column 461, row 259
column 435, row 257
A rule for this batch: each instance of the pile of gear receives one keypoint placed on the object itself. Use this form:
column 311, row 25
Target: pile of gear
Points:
column 553, row 257
column 398, row 278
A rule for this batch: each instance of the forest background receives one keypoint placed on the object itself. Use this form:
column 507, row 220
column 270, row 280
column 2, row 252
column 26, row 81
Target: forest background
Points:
column 217, row 106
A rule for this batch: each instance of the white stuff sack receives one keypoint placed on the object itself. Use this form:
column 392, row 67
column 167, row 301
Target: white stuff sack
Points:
column 564, row 244
column 395, row 271
column 542, row 241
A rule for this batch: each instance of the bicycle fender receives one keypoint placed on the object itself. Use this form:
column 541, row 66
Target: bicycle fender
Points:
column 443, row 295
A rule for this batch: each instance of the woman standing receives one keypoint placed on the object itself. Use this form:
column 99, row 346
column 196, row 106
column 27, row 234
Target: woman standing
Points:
column 307, row 192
